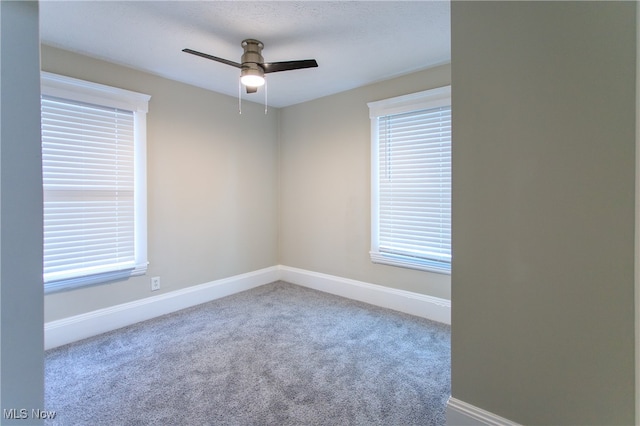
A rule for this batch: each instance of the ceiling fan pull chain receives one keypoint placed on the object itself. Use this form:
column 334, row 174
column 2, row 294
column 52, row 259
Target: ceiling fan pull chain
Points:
column 265, row 96
column 239, row 97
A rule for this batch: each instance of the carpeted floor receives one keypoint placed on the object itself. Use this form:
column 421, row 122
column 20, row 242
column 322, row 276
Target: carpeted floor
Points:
column 279, row 354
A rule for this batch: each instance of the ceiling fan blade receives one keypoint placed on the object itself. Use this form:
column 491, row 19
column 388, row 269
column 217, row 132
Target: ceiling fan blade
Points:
column 251, row 89
column 213, row 58
column 288, row 65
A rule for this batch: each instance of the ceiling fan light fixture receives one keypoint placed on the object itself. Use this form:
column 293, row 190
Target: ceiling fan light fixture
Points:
column 252, row 77
column 252, row 80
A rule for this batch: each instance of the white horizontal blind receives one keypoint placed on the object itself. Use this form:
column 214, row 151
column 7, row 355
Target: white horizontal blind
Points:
column 88, row 181
column 414, row 173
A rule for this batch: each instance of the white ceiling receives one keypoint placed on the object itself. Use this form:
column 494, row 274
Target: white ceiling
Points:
column 354, row 42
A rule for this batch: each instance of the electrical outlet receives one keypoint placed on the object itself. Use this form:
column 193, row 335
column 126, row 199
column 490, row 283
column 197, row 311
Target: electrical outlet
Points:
column 155, row 283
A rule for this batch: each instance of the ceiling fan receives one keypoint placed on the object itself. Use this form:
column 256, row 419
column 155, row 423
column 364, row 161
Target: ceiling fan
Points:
column 253, row 68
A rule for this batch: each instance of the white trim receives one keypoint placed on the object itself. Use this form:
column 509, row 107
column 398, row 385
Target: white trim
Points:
column 432, row 98
column 459, row 413
column 436, row 266
column 94, row 93
column 421, row 305
column 140, row 192
column 67, row 330
column 78, row 327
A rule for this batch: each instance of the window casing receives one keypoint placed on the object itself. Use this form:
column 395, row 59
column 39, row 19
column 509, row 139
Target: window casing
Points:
column 411, row 180
column 94, row 182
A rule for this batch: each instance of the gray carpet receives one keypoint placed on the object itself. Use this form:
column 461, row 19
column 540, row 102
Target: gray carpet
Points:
column 279, row 354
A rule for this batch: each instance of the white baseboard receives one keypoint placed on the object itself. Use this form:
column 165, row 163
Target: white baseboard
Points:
column 459, row 413
column 67, row 330
column 429, row 307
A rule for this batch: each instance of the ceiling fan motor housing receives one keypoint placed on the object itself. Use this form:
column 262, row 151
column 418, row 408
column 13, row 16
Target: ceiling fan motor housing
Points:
column 252, row 57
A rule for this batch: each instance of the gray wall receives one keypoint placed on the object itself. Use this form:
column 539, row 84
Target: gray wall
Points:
column 212, row 185
column 21, row 300
column 325, row 195
column 543, row 210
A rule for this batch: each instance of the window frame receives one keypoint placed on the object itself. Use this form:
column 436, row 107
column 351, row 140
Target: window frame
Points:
column 77, row 90
column 428, row 99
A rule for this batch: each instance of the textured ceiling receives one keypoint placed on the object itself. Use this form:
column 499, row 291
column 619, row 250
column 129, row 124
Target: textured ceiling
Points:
column 354, row 42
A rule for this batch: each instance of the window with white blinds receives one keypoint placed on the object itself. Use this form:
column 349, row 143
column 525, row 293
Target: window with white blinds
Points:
column 411, row 180
column 93, row 182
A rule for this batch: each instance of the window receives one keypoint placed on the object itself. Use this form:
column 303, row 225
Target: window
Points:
column 411, row 180
column 94, row 182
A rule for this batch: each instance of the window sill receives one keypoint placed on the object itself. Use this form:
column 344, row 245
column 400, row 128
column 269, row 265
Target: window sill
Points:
column 436, row 266
column 89, row 280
